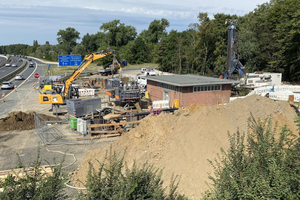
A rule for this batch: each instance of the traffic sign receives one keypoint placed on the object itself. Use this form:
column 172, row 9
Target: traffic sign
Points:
column 36, row 75
column 69, row 60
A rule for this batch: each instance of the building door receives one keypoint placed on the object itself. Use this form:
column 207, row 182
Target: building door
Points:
column 166, row 95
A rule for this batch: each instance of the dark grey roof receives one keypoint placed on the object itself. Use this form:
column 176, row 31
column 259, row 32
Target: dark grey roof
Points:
column 189, row 80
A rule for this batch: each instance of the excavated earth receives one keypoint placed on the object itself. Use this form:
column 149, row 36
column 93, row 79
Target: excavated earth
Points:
column 19, row 120
column 182, row 143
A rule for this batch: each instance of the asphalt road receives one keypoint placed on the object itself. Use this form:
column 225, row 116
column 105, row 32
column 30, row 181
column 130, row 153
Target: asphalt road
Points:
column 15, row 100
column 26, row 73
column 6, row 70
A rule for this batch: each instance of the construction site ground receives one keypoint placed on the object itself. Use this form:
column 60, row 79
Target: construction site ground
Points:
column 180, row 143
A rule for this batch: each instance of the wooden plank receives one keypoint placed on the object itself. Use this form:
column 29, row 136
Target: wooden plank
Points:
column 138, row 107
column 92, row 132
column 99, row 136
column 109, row 135
column 110, row 115
column 114, row 124
column 21, row 173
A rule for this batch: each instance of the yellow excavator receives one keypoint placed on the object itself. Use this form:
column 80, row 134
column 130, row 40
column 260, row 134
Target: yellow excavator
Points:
column 67, row 91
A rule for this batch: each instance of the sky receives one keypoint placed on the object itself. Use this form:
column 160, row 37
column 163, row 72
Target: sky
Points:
column 22, row 21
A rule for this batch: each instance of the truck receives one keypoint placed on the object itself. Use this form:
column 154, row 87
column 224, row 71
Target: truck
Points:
column 111, row 69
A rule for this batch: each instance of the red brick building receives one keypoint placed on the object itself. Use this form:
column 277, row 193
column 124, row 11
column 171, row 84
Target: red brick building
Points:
column 189, row 89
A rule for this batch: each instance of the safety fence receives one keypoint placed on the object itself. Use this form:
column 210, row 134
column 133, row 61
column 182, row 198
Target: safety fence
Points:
column 280, row 88
column 58, row 131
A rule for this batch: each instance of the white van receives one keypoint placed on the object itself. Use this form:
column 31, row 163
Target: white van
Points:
column 141, row 80
column 143, row 70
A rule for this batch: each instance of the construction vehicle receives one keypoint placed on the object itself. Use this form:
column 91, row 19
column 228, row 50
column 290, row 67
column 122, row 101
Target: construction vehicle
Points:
column 126, row 93
column 111, row 69
column 47, row 86
column 65, row 92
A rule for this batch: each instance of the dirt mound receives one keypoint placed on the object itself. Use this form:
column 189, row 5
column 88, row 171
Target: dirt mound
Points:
column 19, row 120
column 182, row 143
column 126, row 79
column 193, row 107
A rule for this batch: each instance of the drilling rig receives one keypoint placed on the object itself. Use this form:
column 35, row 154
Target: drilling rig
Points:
column 233, row 56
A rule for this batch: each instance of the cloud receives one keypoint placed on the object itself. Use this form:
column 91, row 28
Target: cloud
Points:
column 25, row 21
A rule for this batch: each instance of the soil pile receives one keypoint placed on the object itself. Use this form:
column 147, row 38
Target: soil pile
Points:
column 19, row 120
column 182, row 143
column 126, row 79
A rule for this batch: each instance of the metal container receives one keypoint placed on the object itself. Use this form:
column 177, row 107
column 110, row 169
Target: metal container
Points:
column 111, row 83
column 83, row 107
column 127, row 94
column 82, row 126
column 73, row 122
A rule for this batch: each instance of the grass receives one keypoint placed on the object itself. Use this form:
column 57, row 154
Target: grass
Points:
column 145, row 65
column 55, row 70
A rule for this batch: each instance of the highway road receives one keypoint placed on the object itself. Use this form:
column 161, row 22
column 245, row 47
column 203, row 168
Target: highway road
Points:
column 25, row 93
column 6, row 70
column 26, row 73
column 2, row 59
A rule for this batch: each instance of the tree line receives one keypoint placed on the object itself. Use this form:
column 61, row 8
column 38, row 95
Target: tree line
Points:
column 268, row 40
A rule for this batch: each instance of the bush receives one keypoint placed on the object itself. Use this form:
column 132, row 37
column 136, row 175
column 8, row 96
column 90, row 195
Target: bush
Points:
column 114, row 180
column 266, row 167
column 35, row 184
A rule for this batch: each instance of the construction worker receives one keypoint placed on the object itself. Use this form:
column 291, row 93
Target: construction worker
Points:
column 272, row 89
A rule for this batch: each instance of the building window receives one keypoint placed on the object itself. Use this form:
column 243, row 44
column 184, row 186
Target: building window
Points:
column 166, row 86
column 207, row 88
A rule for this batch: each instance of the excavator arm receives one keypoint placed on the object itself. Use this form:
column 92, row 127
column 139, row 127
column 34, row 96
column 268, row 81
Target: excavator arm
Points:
column 59, row 98
column 88, row 59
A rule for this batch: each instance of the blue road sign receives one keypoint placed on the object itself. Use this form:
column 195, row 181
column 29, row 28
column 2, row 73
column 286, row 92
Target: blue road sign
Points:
column 49, row 66
column 69, row 60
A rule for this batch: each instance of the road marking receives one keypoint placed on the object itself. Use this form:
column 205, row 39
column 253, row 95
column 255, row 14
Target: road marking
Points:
column 21, row 102
column 24, row 89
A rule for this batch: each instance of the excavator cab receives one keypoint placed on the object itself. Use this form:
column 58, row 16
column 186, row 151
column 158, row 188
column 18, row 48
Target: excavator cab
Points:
column 50, row 99
column 47, row 86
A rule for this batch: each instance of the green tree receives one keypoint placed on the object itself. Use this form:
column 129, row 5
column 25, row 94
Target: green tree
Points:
column 205, row 44
column 157, row 30
column 283, row 20
column 67, row 39
column 117, row 33
column 191, row 35
column 80, row 50
column 138, row 51
column 35, row 45
column 167, row 57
